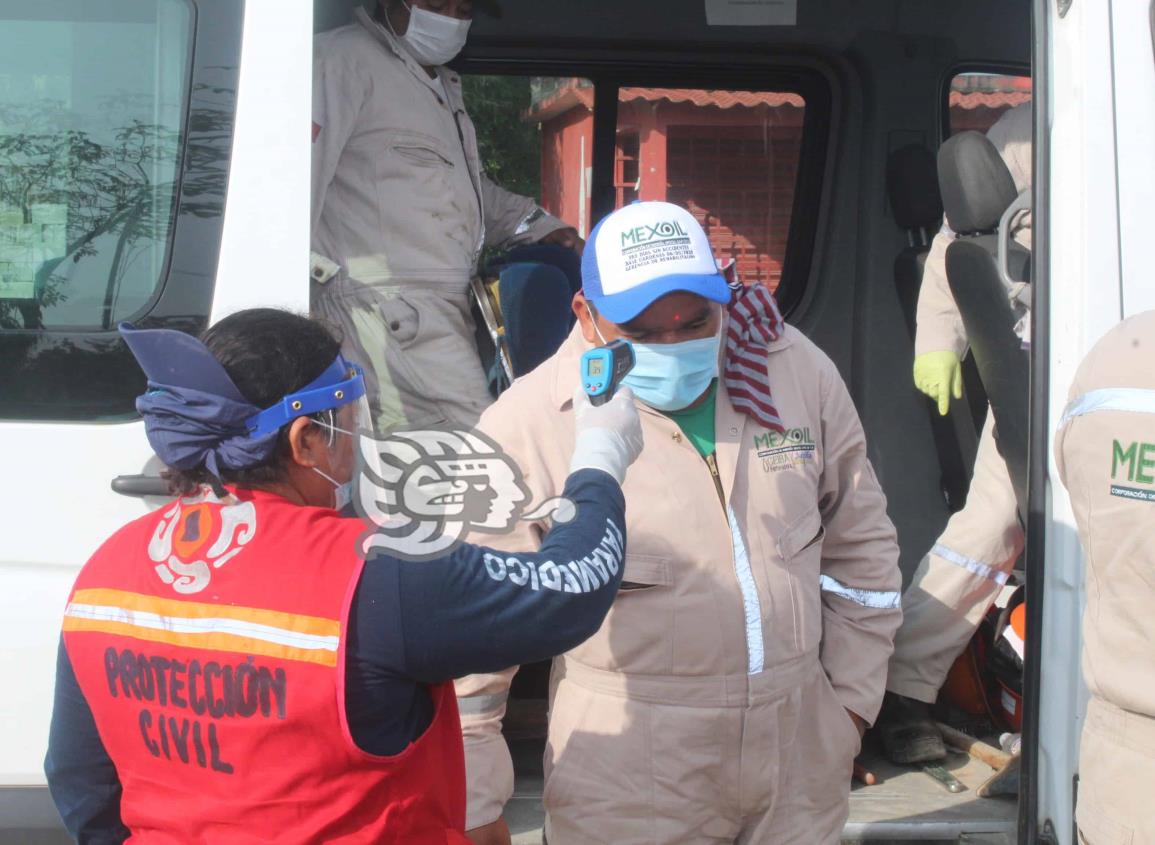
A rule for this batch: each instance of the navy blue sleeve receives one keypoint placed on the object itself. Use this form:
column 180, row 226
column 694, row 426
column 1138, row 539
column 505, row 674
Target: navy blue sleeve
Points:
column 481, row 610
column 477, row 610
column 81, row 775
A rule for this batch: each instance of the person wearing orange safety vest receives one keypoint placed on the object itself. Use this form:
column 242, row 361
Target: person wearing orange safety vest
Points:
column 232, row 668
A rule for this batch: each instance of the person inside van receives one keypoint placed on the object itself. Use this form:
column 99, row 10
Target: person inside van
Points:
column 724, row 698
column 1104, row 451
column 233, row 670
column 962, row 574
column 401, row 209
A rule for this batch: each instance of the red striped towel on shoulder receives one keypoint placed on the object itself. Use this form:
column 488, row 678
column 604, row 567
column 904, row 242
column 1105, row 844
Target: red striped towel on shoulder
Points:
column 755, row 322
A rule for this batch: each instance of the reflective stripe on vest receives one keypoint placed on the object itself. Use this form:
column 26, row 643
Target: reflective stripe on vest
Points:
column 244, row 630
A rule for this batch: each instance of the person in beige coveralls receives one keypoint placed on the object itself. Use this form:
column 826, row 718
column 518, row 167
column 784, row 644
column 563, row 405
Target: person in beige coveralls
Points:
column 961, row 575
column 401, row 210
column 723, row 699
column 1105, row 451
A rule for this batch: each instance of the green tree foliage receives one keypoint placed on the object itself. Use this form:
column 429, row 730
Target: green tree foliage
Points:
column 510, row 147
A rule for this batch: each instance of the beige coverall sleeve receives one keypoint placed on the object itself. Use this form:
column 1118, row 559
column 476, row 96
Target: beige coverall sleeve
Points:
column 339, row 92
column 511, row 218
column 482, row 699
column 939, row 323
column 861, row 581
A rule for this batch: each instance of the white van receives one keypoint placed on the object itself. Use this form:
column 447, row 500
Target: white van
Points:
column 154, row 166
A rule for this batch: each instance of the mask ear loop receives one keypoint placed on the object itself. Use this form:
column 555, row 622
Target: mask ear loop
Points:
column 331, row 425
column 594, row 316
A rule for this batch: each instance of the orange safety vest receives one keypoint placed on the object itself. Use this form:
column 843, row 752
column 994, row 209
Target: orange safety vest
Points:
column 208, row 639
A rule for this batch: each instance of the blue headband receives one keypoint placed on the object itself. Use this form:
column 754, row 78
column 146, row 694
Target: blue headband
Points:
column 341, row 383
column 194, row 414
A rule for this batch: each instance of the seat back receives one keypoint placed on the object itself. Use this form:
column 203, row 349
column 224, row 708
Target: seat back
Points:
column 915, row 201
column 912, row 188
column 535, row 308
column 526, row 313
column 977, row 188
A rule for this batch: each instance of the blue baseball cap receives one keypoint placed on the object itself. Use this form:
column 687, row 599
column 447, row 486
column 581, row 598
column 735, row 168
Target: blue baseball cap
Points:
column 644, row 251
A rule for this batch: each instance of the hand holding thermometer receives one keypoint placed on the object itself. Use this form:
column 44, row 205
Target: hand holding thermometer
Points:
column 603, row 368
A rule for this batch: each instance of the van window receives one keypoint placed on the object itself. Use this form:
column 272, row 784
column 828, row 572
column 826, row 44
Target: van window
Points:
column 96, row 168
column 730, row 157
column 519, row 123
column 90, row 144
column 975, row 100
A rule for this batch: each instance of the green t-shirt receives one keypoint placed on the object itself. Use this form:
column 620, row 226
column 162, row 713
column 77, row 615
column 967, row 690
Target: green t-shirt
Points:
column 697, row 423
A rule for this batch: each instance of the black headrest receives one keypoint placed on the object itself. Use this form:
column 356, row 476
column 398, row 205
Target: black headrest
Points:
column 912, row 183
column 976, row 185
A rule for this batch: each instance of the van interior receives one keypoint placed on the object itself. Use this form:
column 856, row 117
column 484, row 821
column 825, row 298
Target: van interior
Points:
column 801, row 133
column 807, row 150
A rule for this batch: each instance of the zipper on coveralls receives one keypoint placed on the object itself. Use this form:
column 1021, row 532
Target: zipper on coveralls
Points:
column 712, row 463
column 473, row 180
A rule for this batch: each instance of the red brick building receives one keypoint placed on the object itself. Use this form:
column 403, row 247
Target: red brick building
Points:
column 731, row 157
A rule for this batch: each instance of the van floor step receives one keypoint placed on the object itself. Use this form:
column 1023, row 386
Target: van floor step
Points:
column 906, row 805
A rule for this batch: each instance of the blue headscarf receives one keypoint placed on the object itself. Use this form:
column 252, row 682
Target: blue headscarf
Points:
column 193, row 413
column 187, row 427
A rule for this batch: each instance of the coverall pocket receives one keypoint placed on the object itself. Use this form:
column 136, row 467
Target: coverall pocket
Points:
column 841, row 718
column 401, row 319
column 801, row 549
column 643, row 572
column 638, row 634
column 421, row 154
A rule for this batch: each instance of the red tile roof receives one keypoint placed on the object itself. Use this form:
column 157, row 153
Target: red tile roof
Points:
column 990, row 100
column 982, row 90
column 718, row 99
column 571, row 97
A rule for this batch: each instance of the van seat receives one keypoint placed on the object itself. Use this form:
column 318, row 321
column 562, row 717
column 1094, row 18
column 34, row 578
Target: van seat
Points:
column 977, row 188
column 912, row 187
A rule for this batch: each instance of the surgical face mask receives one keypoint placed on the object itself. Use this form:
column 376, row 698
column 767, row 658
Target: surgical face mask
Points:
column 672, row 376
column 433, row 39
column 342, row 492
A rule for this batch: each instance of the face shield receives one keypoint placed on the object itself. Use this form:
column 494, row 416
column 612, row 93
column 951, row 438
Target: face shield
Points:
column 335, row 400
column 344, row 424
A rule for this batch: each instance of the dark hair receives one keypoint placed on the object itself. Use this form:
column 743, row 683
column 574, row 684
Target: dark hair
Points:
column 267, row 353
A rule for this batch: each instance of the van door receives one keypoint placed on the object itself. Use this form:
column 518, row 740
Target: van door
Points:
column 129, row 131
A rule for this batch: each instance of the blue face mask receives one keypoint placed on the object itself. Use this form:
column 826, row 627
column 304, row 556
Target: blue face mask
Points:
column 672, row 376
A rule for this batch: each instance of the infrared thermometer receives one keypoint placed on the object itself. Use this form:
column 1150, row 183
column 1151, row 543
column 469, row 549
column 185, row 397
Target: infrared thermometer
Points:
column 604, row 368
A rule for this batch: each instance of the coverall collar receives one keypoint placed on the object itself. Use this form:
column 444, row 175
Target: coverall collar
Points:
column 382, row 34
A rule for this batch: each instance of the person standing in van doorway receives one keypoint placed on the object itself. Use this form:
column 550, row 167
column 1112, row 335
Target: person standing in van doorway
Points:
column 401, row 209
column 1105, row 452
column 962, row 574
column 724, row 697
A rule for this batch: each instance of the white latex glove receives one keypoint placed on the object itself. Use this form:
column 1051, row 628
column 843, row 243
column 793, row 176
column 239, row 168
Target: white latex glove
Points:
column 609, row 436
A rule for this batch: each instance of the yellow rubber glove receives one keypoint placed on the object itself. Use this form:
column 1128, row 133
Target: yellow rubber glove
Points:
column 939, row 376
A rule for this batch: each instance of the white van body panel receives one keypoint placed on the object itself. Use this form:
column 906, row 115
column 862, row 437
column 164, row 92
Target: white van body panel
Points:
column 57, row 503
column 264, row 258
column 1102, row 180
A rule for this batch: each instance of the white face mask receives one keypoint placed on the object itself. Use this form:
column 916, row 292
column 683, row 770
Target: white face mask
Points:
column 433, row 39
column 342, row 493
